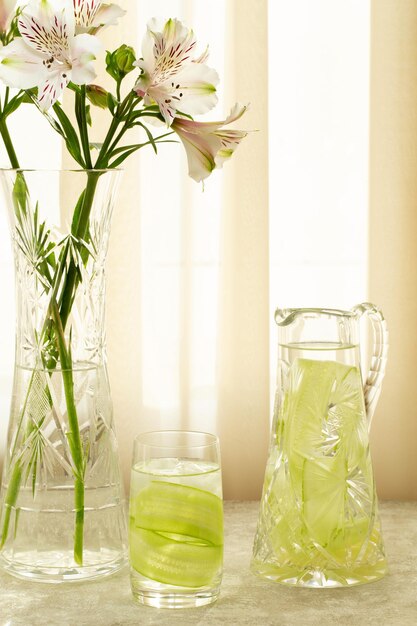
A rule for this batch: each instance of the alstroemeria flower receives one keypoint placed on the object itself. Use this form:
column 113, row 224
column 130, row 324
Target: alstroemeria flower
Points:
column 207, row 144
column 90, row 15
column 170, row 76
column 7, row 8
column 49, row 54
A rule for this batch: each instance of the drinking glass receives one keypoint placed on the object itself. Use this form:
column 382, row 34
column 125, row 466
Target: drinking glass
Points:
column 176, row 519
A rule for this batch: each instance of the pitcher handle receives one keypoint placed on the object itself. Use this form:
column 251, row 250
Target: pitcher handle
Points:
column 373, row 382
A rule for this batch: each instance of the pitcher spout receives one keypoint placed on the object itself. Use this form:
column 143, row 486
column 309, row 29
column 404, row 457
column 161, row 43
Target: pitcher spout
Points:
column 284, row 317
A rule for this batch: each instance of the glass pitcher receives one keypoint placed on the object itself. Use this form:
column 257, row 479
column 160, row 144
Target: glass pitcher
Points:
column 319, row 524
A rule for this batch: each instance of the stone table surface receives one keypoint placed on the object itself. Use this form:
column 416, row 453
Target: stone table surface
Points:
column 245, row 600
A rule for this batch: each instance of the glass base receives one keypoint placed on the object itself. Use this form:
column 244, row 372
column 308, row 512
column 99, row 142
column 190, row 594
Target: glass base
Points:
column 171, row 600
column 44, row 573
column 163, row 596
column 316, row 578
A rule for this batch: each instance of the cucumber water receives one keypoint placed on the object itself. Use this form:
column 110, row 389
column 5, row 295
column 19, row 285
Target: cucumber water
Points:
column 318, row 522
column 176, row 525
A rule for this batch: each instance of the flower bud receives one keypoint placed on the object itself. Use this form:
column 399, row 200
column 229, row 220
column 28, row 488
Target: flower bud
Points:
column 97, row 96
column 125, row 58
column 7, row 8
column 120, row 62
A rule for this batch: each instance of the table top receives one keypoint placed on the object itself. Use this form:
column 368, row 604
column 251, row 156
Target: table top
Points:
column 245, row 600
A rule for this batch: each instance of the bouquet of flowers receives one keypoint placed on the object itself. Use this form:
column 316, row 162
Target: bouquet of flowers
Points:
column 49, row 46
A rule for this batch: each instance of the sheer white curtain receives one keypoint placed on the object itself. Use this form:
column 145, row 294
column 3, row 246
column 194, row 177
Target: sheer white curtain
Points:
column 188, row 268
column 319, row 76
column 319, row 57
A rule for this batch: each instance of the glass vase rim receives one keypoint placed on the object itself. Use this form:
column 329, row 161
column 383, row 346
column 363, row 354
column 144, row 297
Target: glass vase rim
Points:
column 212, row 440
column 74, row 170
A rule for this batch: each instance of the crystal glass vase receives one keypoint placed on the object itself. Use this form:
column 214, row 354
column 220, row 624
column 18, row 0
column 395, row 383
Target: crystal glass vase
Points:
column 62, row 502
column 318, row 523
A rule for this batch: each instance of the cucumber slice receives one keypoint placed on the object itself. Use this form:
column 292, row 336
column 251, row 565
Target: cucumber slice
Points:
column 167, row 507
column 325, row 416
column 324, row 489
column 325, row 441
column 311, row 385
column 180, row 563
column 330, row 516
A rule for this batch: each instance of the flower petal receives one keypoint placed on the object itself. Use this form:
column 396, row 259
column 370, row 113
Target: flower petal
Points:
column 170, row 76
column 230, row 139
column 192, row 92
column 207, row 127
column 47, row 25
column 164, row 52
column 50, row 90
column 107, row 15
column 197, row 84
column 200, row 154
column 84, row 50
column 84, row 11
column 21, row 66
column 207, row 144
column 203, row 56
column 147, row 63
column 173, row 32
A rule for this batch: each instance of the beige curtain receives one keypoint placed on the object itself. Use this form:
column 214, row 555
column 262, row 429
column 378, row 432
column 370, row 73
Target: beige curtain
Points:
column 192, row 352
column 393, row 237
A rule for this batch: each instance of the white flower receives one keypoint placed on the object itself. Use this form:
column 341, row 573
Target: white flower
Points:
column 170, row 76
column 90, row 15
column 207, row 144
column 7, row 8
column 48, row 55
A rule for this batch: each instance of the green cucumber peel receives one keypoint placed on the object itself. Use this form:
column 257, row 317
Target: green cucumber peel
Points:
column 172, row 562
column 167, row 507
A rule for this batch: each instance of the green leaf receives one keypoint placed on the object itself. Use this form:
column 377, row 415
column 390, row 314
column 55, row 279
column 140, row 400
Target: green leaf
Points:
column 135, row 146
column 124, row 156
column 77, row 211
column 29, row 95
column 88, row 115
column 19, row 195
column 13, row 104
column 150, row 136
column 128, row 150
column 111, row 103
column 71, row 138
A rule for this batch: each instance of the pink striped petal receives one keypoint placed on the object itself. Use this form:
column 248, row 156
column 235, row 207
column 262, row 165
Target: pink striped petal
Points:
column 51, row 89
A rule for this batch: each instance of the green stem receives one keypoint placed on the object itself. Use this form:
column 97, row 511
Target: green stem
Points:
column 80, row 99
column 80, row 230
column 4, row 131
column 103, row 157
column 118, row 138
column 123, row 130
column 73, row 436
column 10, row 499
